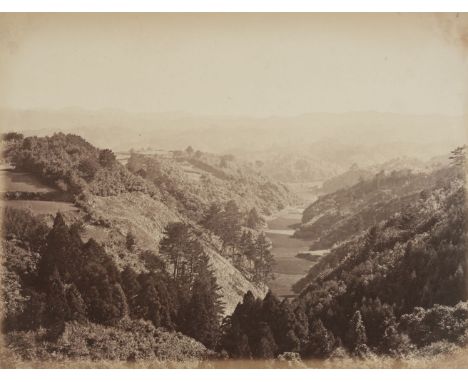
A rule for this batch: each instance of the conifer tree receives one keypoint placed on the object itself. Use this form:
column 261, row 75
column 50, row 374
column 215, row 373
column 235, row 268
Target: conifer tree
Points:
column 254, row 220
column 301, row 324
column 234, row 340
column 271, row 314
column 231, row 227
column 131, row 287
column 204, row 310
column 212, row 219
column 264, row 259
column 376, row 318
column 176, row 245
column 61, row 252
column 265, row 347
column 321, row 340
column 286, row 329
column 147, row 302
column 76, row 304
column 356, row 335
column 99, row 285
column 247, row 248
column 57, row 310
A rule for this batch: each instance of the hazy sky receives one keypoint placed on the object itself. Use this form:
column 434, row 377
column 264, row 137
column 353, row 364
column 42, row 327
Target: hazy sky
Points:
column 237, row 64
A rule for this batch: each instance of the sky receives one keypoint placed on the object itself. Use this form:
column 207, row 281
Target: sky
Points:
column 234, row 64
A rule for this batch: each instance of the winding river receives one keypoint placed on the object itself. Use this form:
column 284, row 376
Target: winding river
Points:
column 288, row 268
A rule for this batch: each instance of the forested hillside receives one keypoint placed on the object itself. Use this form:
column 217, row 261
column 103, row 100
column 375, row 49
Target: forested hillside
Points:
column 336, row 217
column 158, row 264
column 398, row 289
column 356, row 174
column 195, row 180
column 149, row 252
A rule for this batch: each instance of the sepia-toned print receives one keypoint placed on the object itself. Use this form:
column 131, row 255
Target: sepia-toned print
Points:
column 233, row 190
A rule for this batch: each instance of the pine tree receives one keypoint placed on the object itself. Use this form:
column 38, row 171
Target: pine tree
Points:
column 393, row 342
column 167, row 296
column 264, row 259
column 212, row 219
column 265, row 347
column 57, row 310
column 204, row 309
column 286, row 334
column 176, row 245
column 234, row 340
column 321, row 341
column 131, row 287
column 376, row 318
column 99, row 286
column 230, row 232
column 61, row 252
column 76, row 304
column 271, row 314
column 290, row 343
column 147, row 303
column 301, row 324
column 356, row 335
column 254, row 220
column 247, row 248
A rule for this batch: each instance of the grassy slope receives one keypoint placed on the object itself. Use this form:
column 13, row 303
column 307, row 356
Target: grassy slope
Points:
column 146, row 218
column 118, row 201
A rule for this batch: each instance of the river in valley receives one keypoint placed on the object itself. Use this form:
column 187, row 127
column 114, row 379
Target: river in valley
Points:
column 288, row 268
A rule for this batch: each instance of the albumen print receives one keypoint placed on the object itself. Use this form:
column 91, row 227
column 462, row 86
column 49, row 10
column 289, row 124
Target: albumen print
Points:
column 233, row 190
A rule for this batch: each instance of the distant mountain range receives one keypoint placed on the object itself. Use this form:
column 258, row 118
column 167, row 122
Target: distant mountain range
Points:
column 308, row 147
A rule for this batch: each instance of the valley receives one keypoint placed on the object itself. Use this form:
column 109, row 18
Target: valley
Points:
column 289, row 267
column 182, row 247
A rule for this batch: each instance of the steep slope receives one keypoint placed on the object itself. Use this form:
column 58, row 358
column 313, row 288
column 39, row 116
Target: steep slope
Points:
column 194, row 180
column 411, row 265
column 355, row 173
column 395, row 291
column 146, row 218
column 438, row 219
column 115, row 202
column 336, row 217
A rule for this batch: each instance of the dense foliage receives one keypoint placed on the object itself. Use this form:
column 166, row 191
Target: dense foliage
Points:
column 195, row 180
column 248, row 250
column 73, row 165
column 336, row 217
column 398, row 289
column 53, row 277
column 394, row 283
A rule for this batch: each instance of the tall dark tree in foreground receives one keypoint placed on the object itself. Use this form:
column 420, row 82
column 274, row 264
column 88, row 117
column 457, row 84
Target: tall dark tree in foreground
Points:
column 204, row 310
column 356, row 335
column 321, row 341
column 57, row 309
column 62, row 252
column 132, row 288
column 76, row 304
